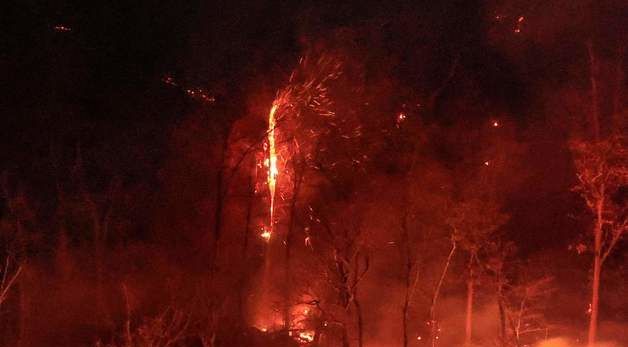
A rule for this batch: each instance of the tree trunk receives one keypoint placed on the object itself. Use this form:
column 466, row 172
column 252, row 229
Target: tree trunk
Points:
column 595, row 296
column 407, row 273
column 597, row 269
column 501, row 305
column 404, row 314
column 502, row 318
column 296, row 187
column 220, row 204
column 23, row 336
column 469, row 314
column 433, row 323
column 358, row 313
column 345, row 337
column 245, row 246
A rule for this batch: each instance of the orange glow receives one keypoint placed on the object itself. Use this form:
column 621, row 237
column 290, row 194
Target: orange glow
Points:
column 273, row 171
column 266, row 235
column 306, row 336
column 400, row 118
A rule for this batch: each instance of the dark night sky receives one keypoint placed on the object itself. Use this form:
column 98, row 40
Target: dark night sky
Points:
column 100, row 83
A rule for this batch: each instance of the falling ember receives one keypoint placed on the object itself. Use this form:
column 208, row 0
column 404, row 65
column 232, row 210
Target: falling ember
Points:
column 519, row 23
column 486, row 163
column 400, row 118
column 495, row 124
column 273, row 171
column 196, row 93
column 62, row 28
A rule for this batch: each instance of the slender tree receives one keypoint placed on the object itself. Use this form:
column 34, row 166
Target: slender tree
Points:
column 602, row 170
column 474, row 223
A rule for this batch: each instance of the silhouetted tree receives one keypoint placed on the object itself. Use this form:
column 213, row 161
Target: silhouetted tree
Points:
column 602, row 170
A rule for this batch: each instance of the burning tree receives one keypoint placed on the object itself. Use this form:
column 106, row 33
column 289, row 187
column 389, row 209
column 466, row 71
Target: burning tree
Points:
column 318, row 110
column 298, row 120
column 602, row 172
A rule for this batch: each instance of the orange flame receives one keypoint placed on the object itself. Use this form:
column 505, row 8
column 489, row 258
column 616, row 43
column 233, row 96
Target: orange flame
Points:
column 265, row 235
column 273, row 171
column 306, row 336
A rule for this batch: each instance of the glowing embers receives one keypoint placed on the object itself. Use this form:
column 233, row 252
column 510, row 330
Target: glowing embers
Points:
column 306, row 336
column 301, row 323
column 519, row 24
column 302, row 319
column 303, row 336
column 60, row 28
column 196, row 93
column 401, row 116
column 266, row 234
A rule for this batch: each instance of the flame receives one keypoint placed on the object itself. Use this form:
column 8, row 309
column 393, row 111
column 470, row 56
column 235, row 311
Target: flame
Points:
column 273, row 171
column 266, row 235
column 306, row 336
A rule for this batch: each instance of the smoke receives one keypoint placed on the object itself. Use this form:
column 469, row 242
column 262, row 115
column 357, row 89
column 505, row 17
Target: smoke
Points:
column 564, row 342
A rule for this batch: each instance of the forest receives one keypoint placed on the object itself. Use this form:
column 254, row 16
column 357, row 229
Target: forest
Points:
column 318, row 174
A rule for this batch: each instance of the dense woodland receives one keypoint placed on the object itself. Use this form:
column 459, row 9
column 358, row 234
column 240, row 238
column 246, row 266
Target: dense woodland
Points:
column 354, row 174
